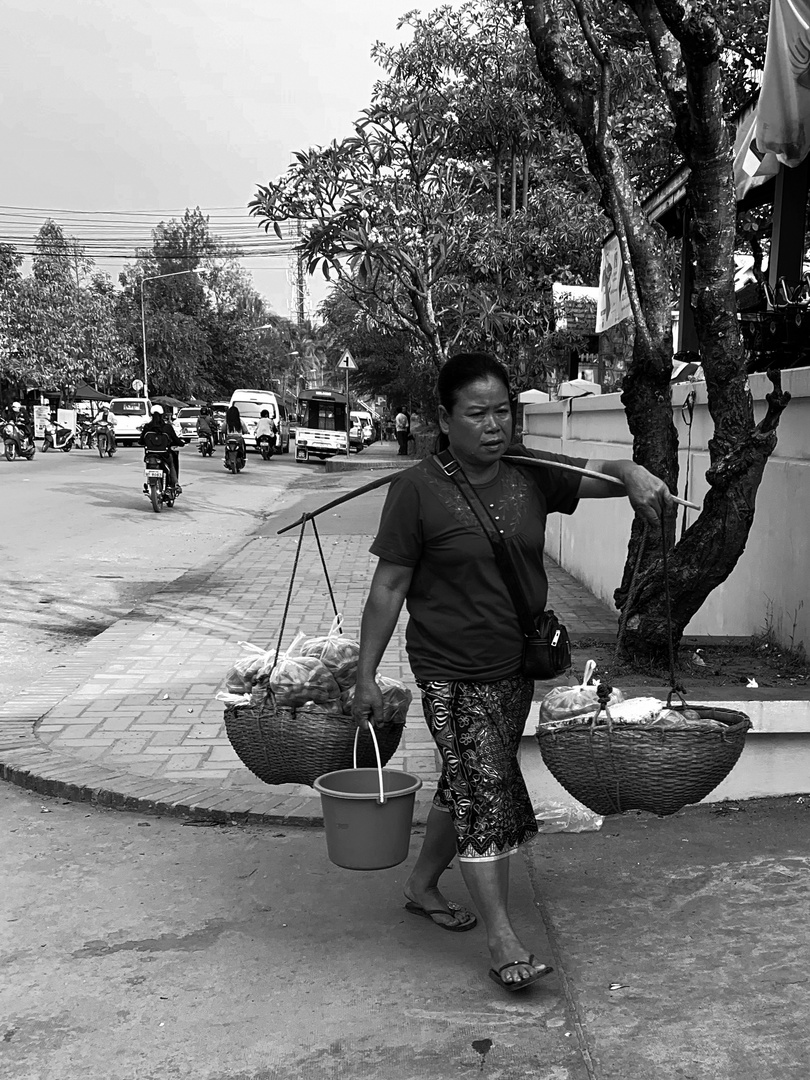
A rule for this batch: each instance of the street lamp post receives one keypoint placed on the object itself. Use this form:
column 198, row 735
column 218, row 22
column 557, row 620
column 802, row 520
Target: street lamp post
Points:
column 156, row 277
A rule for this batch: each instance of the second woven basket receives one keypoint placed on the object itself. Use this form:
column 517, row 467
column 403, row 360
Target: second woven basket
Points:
column 618, row 767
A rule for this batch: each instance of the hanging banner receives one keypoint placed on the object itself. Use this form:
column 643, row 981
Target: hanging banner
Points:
column 614, row 304
column 752, row 166
column 783, row 111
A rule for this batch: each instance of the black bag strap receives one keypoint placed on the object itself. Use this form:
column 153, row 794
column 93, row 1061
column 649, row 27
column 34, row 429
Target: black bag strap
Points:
column 451, row 468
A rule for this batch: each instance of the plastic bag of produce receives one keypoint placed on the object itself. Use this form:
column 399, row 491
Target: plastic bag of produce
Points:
column 396, row 700
column 240, row 679
column 685, row 718
column 297, row 679
column 639, row 710
column 563, row 704
column 337, row 652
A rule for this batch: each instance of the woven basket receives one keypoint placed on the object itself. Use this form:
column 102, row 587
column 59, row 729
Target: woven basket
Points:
column 616, row 767
column 289, row 746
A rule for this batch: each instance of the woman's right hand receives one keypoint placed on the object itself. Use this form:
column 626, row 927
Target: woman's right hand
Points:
column 367, row 707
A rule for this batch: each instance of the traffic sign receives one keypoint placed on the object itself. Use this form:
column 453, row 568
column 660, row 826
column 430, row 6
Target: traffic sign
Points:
column 137, row 385
column 346, row 362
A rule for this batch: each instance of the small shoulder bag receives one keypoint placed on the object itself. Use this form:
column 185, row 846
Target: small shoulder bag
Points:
column 546, row 645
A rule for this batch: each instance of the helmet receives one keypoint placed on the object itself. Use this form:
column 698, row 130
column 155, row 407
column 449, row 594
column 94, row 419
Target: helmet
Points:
column 16, row 406
column 157, row 409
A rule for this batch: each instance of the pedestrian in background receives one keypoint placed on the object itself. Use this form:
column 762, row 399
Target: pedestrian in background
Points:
column 402, row 427
column 464, row 639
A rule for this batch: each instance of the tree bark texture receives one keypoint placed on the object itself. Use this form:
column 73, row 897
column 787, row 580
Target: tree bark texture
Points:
column 646, row 390
column 686, row 47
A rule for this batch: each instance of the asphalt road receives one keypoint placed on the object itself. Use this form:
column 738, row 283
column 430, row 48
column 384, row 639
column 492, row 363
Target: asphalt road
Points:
column 80, row 543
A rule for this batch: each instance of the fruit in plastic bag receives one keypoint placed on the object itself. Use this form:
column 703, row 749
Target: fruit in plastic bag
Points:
column 396, row 700
column 337, row 652
column 295, row 680
column 245, row 672
column 685, row 718
column 566, row 703
column 640, row 710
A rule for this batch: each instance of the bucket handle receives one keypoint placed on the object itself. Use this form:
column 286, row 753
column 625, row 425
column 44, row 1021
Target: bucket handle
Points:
column 382, row 798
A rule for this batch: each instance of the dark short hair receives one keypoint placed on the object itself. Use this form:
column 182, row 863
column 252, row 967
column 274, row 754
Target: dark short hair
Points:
column 465, row 368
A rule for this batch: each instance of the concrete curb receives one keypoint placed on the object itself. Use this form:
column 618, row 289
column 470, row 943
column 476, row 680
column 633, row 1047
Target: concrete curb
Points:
column 50, row 773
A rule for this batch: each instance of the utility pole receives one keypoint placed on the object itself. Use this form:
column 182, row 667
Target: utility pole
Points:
column 300, row 288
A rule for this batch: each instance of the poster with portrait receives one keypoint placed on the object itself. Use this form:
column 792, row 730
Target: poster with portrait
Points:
column 613, row 304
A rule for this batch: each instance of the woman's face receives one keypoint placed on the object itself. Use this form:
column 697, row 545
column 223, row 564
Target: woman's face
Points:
column 480, row 426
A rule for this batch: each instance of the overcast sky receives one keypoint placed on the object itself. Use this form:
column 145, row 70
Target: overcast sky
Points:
column 155, row 106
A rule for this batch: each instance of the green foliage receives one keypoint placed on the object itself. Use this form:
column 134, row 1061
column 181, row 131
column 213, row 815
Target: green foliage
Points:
column 60, row 322
column 65, row 323
column 457, row 198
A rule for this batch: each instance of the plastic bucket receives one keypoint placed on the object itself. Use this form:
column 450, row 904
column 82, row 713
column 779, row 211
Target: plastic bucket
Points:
column 367, row 814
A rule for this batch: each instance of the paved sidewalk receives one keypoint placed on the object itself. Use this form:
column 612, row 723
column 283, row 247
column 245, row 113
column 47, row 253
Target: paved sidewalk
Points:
column 131, row 719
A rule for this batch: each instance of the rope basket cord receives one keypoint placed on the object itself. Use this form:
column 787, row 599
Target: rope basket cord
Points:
column 611, row 768
column 283, row 745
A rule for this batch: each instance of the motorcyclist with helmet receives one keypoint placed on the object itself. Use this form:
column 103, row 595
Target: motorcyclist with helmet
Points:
column 206, row 425
column 18, row 414
column 266, row 428
column 159, row 424
column 106, row 419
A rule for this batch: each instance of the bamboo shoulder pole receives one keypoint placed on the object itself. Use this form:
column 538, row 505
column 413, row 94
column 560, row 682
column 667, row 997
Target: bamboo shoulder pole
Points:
column 514, row 459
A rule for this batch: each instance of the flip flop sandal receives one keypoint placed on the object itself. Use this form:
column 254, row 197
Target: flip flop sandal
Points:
column 428, row 913
column 542, row 971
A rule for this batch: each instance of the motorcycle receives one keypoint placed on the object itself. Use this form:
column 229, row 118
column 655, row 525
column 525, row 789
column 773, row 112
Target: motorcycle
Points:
column 158, row 478
column 234, row 453
column 105, row 440
column 57, row 437
column 86, row 433
column 17, row 442
column 267, row 446
column 205, row 445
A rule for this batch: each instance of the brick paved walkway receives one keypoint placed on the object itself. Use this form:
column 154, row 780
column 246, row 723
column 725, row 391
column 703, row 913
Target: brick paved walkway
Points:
column 132, row 719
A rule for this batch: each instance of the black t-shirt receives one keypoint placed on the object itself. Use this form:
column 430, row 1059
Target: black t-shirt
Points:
column 463, row 624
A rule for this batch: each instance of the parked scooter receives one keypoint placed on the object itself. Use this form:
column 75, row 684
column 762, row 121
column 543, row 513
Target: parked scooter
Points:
column 205, row 445
column 234, row 453
column 105, row 439
column 57, row 437
column 17, row 442
column 157, row 473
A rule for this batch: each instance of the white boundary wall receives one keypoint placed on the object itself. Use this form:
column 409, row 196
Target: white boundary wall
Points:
column 770, row 586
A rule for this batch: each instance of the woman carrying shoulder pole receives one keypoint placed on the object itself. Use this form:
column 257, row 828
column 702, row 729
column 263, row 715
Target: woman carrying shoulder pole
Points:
column 464, row 641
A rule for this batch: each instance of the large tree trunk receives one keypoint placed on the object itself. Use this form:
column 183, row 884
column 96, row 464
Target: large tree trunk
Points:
column 689, row 74
column 646, row 390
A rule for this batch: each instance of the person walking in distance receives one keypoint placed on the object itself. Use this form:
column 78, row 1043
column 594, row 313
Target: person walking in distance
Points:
column 464, row 638
column 402, row 426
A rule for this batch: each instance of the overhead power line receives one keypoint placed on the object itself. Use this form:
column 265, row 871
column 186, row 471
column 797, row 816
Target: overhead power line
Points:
column 122, row 234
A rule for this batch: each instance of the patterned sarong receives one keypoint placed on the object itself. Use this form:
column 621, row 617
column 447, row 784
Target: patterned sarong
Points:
column 477, row 728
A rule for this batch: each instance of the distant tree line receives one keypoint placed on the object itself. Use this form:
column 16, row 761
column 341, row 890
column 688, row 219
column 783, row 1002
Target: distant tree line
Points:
column 207, row 329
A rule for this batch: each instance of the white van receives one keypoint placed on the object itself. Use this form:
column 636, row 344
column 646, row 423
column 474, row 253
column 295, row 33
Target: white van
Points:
column 130, row 413
column 362, row 427
column 250, row 404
